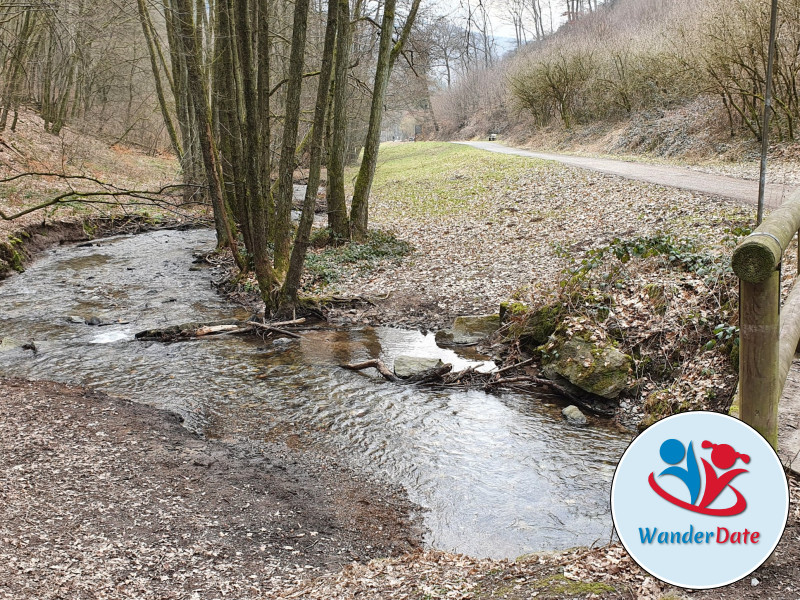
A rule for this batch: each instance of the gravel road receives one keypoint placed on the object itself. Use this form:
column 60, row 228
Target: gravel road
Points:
column 744, row 190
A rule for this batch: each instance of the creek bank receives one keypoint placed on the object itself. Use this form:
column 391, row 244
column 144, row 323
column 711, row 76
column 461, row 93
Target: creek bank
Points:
column 153, row 509
column 19, row 248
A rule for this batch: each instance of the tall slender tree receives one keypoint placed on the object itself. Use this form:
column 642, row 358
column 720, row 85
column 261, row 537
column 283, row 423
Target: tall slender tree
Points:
column 387, row 55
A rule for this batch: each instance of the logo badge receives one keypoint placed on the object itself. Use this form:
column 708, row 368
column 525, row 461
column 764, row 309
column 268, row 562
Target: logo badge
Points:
column 699, row 500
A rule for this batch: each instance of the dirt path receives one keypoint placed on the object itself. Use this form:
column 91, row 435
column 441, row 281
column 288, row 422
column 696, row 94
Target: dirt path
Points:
column 744, row 190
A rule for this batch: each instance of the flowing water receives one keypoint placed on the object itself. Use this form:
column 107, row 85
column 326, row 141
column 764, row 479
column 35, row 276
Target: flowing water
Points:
column 498, row 475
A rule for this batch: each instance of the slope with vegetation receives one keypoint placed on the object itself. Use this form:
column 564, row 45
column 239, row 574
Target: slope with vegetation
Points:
column 694, row 72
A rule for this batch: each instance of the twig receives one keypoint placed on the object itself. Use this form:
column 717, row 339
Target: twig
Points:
column 266, row 327
column 524, row 363
column 375, row 363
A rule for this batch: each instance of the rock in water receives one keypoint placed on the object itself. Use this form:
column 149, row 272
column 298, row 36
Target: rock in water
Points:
column 597, row 370
column 573, row 415
column 408, row 366
column 8, row 343
column 468, row 330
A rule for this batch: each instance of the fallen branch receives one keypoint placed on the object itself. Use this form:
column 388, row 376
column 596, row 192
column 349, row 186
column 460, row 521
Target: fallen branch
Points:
column 524, row 363
column 438, row 376
column 272, row 328
column 375, row 363
column 215, row 329
column 554, row 386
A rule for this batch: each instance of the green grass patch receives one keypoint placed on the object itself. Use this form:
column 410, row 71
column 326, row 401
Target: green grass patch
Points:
column 431, row 179
column 336, row 262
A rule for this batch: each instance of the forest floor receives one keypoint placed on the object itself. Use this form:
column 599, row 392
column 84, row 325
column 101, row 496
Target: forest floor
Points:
column 465, row 231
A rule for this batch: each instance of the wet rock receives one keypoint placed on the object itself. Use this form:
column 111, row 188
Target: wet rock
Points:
column 8, row 343
column 574, row 416
column 468, row 330
column 602, row 371
column 93, row 321
column 408, row 366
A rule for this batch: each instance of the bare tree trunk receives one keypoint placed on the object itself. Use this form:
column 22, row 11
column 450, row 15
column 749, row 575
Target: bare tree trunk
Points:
column 338, row 221
column 387, row 54
column 291, row 122
column 265, row 124
column 199, row 95
column 19, row 54
column 257, row 215
column 144, row 17
column 292, row 283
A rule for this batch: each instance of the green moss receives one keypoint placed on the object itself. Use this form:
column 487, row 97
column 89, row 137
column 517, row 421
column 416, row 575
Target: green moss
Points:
column 534, row 328
column 560, row 585
column 509, row 310
column 734, row 355
column 90, row 229
column 11, row 255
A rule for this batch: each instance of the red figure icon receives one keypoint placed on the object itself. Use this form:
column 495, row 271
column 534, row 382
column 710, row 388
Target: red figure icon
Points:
column 724, row 457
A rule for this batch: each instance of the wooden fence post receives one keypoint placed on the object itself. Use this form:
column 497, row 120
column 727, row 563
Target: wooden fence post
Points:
column 759, row 379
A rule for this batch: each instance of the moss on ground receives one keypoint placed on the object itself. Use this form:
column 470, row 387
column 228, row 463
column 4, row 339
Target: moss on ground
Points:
column 551, row 587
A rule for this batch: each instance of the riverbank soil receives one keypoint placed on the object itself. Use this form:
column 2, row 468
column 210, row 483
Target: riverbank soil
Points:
column 607, row 573
column 106, row 498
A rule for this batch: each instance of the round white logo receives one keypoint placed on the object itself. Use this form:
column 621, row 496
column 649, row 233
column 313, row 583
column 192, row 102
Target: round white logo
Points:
column 699, row 500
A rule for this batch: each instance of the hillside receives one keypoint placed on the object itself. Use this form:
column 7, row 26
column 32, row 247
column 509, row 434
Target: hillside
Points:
column 30, row 149
column 676, row 80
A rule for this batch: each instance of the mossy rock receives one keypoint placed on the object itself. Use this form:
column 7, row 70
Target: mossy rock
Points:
column 11, row 256
column 510, row 310
column 536, row 327
column 468, row 330
column 602, row 371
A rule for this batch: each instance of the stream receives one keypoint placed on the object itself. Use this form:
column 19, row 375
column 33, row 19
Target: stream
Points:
column 498, row 475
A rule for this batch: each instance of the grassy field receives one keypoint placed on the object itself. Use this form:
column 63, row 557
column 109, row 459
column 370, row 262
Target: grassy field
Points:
column 429, row 179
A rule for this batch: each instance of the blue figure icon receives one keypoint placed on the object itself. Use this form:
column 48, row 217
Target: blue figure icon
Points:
column 672, row 453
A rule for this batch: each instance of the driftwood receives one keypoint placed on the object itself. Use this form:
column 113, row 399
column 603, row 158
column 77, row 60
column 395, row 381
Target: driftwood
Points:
column 443, row 377
column 187, row 331
column 375, row 363
column 214, row 329
column 276, row 327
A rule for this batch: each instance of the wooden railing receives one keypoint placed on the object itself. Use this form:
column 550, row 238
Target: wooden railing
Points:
column 769, row 333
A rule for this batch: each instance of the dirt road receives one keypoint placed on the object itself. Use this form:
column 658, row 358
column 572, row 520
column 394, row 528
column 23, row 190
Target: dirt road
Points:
column 744, row 190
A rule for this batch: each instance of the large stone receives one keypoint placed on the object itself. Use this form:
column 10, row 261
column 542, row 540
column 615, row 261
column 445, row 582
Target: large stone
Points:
column 574, row 416
column 408, row 366
column 468, row 330
column 536, row 327
column 602, row 371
